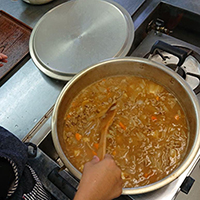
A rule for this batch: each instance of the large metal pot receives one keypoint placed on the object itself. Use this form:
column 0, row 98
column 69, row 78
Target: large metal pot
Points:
column 138, row 67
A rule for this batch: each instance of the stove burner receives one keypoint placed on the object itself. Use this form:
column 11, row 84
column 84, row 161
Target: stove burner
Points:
column 173, row 50
column 182, row 60
column 178, row 70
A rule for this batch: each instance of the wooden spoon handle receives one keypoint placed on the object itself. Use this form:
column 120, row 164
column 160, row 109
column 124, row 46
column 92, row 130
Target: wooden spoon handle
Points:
column 102, row 146
column 105, row 124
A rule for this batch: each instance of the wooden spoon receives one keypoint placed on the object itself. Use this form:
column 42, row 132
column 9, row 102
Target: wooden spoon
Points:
column 104, row 125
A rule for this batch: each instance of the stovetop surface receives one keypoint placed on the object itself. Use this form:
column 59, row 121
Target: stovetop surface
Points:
column 170, row 191
column 29, row 93
column 193, row 6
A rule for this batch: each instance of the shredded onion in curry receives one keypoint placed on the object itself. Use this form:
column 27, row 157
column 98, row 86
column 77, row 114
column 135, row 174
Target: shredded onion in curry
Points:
column 149, row 135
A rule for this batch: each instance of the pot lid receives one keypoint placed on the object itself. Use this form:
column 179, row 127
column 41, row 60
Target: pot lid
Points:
column 78, row 34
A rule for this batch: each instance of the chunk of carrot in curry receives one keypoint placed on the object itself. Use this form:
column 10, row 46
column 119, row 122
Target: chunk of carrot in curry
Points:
column 157, row 98
column 122, row 125
column 94, row 153
column 177, row 117
column 146, row 175
column 114, row 153
column 96, row 145
column 150, row 174
column 153, row 118
column 78, row 136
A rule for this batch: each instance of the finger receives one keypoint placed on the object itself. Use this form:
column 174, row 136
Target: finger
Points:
column 4, row 60
column 95, row 159
column 108, row 156
column 3, row 56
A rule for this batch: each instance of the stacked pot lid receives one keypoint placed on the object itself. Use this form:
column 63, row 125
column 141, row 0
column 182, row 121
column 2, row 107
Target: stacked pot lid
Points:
column 78, row 34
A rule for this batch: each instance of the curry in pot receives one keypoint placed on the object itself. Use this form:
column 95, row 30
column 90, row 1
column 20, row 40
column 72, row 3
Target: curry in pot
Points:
column 149, row 134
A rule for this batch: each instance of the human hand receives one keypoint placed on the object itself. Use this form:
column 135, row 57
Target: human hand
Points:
column 3, row 58
column 101, row 180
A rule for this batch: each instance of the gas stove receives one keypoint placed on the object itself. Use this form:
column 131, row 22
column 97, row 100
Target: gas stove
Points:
column 180, row 56
column 184, row 59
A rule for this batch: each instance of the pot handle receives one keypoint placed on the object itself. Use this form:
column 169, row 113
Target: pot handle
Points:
column 61, row 183
column 181, row 54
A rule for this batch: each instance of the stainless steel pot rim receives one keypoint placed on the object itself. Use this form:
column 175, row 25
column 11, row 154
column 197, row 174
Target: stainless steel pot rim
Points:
column 168, row 179
column 77, row 45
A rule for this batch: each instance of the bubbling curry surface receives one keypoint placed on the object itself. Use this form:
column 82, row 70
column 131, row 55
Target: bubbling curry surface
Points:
column 148, row 137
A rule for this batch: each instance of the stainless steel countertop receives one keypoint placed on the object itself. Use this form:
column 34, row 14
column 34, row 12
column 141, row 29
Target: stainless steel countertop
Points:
column 30, row 14
column 191, row 5
column 29, row 94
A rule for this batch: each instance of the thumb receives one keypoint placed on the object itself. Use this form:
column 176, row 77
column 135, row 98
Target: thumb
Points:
column 95, row 159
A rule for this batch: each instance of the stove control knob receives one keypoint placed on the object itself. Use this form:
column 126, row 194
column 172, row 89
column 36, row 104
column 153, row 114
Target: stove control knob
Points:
column 187, row 184
column 159, row 26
